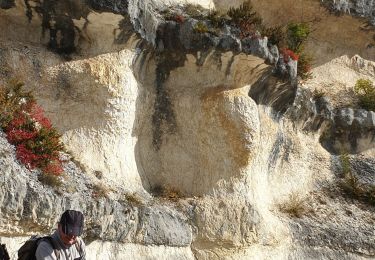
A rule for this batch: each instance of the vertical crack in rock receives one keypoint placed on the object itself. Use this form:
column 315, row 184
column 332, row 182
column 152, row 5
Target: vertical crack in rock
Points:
column 163, row 119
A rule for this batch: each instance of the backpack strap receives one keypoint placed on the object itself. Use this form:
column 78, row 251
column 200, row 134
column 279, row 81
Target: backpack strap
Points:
column 78, row 246
column 53, row 244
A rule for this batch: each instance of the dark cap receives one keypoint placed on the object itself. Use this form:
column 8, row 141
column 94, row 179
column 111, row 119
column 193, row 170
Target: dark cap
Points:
column 72, row 222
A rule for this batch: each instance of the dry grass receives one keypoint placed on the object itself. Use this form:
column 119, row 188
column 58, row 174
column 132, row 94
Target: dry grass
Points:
column 134, row 199
column 318, row 94
column 100, row 191
column 295, row 206
column 167, row 193
column 51, row 180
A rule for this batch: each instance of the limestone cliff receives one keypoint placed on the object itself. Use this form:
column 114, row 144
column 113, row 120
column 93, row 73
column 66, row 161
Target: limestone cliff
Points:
column 187, row 145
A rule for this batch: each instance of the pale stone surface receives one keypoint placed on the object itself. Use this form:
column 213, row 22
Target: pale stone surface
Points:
column 215, row 126
column 337, row 78
column 110, row 250
column 29, row 207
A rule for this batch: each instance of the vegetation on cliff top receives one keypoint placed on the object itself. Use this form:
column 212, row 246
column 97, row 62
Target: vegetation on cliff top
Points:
column 245, row 22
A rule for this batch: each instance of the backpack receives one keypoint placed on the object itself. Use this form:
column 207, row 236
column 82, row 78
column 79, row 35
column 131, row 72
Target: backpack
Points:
column 4, row 252
column 28, row 249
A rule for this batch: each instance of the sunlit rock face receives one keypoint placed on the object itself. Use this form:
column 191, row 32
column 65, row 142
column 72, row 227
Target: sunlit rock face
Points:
column 145, row 109
column 361, row 8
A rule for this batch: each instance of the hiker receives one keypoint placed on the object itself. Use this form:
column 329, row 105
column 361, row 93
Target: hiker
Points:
column 65, row 243
column 4, row 252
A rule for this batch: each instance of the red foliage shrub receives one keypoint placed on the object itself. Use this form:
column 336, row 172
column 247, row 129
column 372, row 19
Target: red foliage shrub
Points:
column 37, row 142
column 179, row 19
column 54, row 168
column 16, row 136
column 289, row 53
column 37, row 113
column 18, row 121
column 26, row 156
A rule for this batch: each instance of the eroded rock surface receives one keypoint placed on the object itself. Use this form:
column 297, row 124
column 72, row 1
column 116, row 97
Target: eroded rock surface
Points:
column 147, row 106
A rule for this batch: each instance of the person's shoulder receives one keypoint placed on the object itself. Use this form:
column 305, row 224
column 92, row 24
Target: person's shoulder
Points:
column 45, row 243
column 44, row 250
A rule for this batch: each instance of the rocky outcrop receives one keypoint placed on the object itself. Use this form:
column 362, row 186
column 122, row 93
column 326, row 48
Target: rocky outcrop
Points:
column 360, row 8
column 150, row 107
column 36, row 207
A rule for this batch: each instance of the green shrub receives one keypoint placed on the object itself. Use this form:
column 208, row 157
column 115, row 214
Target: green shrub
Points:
column 297, row 34
column 365, row 91
column 200, row 28
column 345, row 164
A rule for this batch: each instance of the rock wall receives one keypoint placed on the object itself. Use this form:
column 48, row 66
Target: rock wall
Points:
column 147, row 110
column 361, row 8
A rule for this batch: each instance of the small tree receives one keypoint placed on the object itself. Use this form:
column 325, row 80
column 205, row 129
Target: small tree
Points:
column 297, row 34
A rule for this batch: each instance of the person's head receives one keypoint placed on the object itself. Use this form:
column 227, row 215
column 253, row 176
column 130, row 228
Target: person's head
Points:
column 70, row 226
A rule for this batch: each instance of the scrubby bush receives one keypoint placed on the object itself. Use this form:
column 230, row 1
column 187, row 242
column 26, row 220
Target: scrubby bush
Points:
column 247, row 20
column 22, row 119
column 169, row 16
column 317, row 94
column 216, row 19
column 304, row 65
column 276, row 35
column 200, row 28
column 244, row 13
column 365, row 92
column 194, row 11
column 297, row 34
column 295, row 206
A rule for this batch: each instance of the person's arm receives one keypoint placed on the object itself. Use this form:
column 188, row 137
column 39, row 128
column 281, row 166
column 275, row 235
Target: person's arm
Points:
column 45, row 251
